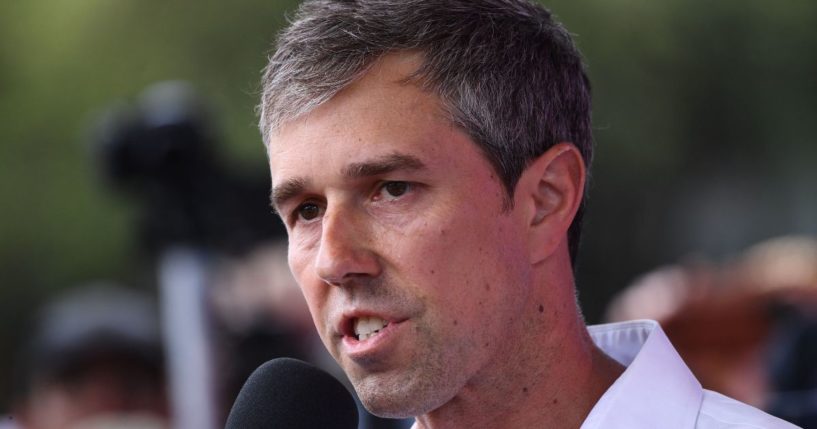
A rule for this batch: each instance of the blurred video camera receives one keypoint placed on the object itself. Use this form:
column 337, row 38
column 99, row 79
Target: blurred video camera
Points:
column 161, row 152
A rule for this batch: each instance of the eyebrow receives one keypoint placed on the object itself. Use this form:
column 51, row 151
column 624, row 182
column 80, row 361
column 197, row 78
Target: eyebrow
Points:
column 383, row 165
column 286, row 191
column 291, row 188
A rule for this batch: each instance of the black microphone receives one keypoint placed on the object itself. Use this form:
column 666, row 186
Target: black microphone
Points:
column 288, row 393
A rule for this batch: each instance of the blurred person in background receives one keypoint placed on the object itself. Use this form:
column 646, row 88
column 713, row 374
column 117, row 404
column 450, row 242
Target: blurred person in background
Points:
column 747, row 327
column 94, row 361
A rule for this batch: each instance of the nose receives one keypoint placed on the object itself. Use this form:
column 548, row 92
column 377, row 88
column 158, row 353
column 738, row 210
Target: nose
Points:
column 344, row 252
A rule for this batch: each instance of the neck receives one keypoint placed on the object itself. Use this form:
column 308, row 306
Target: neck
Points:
column 551, row 375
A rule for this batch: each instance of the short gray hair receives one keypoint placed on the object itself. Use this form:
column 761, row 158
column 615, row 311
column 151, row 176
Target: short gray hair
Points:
column 505, row 71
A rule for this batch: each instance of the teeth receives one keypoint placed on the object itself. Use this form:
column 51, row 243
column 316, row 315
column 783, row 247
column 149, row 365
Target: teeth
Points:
column 367, row 327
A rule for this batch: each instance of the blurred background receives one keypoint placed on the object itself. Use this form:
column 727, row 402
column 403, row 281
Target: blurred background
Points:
column 128, row 149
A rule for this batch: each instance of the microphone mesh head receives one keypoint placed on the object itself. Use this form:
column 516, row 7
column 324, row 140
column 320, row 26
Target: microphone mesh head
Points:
column 288, row 393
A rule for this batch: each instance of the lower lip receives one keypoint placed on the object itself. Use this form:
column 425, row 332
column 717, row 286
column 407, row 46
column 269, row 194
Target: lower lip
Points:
column 366, row 349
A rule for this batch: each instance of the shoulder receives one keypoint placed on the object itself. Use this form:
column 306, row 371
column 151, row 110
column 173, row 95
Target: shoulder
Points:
column 721, row 412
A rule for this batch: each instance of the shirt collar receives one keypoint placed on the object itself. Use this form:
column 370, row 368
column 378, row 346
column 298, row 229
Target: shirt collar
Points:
column 656, row 390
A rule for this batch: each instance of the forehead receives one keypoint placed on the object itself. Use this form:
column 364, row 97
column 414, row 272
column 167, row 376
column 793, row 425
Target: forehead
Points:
column 379, row 111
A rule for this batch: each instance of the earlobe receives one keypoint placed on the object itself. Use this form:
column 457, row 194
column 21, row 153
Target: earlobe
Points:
column 552, row 188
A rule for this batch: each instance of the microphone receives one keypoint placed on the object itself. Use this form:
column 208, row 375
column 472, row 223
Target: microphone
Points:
column 288, row 393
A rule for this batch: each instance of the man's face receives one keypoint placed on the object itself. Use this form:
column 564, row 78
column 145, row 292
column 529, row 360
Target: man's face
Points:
column 413, row 273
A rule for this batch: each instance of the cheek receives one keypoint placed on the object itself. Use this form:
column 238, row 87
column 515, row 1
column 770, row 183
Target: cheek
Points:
column 297, row 262
column 302, row 249
column 449, row 259
column 300, row 262
column 469, row 264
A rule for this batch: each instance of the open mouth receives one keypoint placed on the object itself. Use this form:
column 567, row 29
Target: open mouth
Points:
column 368, row 327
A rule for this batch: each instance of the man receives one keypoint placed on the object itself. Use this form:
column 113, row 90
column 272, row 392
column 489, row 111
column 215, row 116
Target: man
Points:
column 429, row 161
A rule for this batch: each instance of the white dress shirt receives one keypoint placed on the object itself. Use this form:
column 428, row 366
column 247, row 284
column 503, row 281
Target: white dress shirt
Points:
column 658, row 391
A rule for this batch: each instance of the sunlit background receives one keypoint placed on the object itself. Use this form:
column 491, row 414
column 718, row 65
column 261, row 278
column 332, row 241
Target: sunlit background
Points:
column 705, row 122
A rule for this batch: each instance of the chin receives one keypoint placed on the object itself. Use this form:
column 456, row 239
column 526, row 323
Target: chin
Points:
column 394, row 406
column 401, row 399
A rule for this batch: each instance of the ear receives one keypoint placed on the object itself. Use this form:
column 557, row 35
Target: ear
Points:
column 551, row 190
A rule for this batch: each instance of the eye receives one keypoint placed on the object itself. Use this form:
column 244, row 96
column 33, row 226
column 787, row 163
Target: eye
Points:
column 391, row 190
column 308, row 211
